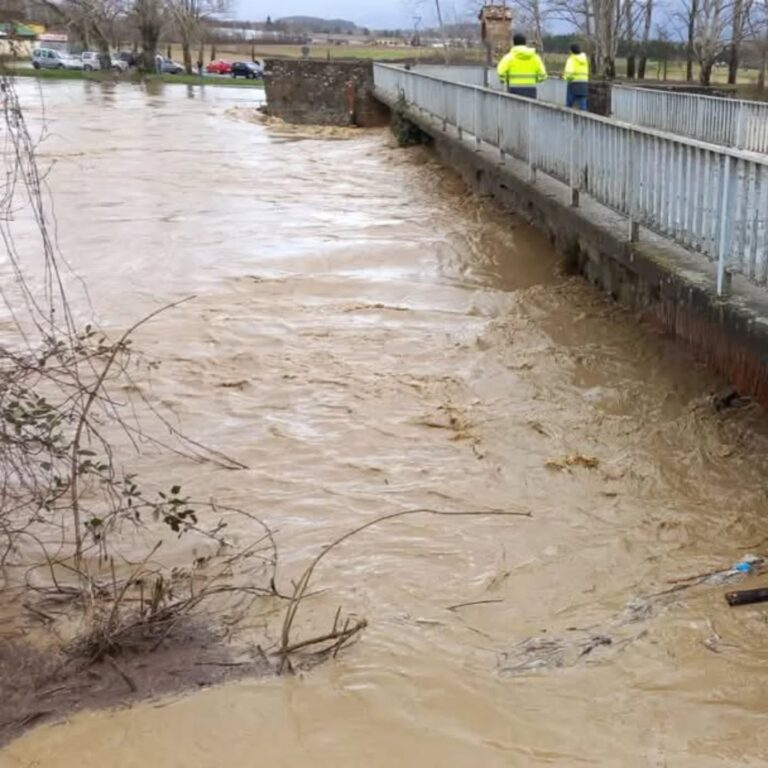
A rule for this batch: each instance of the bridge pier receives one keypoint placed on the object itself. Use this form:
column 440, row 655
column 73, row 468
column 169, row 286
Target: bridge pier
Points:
column 311, row 92
column 666, row 285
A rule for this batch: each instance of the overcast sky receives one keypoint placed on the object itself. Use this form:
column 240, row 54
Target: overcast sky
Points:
column 367, row 13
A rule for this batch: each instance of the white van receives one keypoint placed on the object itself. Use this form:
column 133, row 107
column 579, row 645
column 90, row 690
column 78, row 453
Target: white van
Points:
column 92, row 61
column 48, row 58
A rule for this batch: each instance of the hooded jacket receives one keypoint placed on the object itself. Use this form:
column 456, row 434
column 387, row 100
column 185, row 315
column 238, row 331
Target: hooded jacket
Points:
column 522, row 66
column 577, row 68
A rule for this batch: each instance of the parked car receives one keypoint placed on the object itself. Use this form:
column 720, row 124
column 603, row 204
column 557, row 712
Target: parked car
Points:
column 246, row 69
column 219, row 67
column 129, row 57
column 168, row 66
column 48, row 58
column 92, row 62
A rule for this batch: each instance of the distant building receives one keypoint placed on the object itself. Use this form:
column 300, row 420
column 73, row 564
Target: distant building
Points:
column 57, row 41
column 248, row 34
column 17, row 39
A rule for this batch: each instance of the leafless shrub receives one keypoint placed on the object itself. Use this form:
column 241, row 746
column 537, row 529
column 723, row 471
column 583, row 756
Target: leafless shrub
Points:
column 65, row 502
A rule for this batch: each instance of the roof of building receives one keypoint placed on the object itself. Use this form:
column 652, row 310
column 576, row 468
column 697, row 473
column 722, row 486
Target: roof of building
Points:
column 16, row 30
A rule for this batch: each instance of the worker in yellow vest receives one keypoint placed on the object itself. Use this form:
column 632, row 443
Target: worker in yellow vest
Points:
column 521, row 69
column 576, row 76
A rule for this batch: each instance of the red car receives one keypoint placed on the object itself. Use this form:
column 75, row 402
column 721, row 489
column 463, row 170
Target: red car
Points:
column 219, row 67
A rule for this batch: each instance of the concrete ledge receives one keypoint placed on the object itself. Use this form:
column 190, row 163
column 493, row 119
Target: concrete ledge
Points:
column 666, row 284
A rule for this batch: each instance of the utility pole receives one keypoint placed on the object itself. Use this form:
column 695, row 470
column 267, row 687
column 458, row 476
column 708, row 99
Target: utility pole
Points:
column 442, row 31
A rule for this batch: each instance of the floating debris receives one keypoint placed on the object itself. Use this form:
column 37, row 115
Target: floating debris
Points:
column 543, row 652
column 565, row 650
column 573, row 460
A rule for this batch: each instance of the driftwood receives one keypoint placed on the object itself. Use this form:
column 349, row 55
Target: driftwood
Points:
column 747, row 596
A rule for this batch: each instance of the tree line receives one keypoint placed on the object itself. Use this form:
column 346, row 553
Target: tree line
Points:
column 102, row 24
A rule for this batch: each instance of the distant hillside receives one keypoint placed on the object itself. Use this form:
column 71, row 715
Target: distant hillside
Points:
column 315, row 24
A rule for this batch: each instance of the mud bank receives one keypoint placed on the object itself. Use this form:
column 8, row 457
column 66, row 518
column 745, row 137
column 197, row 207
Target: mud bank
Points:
column 44, row 684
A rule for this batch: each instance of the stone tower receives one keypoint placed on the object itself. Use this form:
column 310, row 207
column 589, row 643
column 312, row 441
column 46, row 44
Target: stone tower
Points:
column 496, row 29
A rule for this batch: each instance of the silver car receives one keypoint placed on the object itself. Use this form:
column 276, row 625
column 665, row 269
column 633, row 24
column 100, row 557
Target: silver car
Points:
column 92, row 61
column 49, row 58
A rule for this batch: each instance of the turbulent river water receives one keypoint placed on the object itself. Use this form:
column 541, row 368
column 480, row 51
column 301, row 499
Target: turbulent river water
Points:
column 367, row 337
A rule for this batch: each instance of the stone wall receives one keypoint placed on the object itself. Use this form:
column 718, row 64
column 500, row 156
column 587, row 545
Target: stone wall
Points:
column 323, row 92
column 600, row 97
column 496, row 29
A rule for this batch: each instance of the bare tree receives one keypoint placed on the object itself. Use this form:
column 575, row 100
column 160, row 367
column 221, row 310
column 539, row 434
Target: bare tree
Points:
column 710, row 25
column 188, row 17
column 578, row 15
column 608, row 18
column 740, row 18
column 647, row 21
column 148, row 16
column 636, row 25
column 663, row 41
column 629, row 36
column 682, row 20
column 441, row 25
column 693, row 9
column 603, row 23
column 760, row 27
column 533, row 15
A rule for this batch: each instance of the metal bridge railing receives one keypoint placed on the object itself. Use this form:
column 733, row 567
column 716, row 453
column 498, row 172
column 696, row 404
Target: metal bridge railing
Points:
column 551, row 90
column 730, row 122
column 710, row 199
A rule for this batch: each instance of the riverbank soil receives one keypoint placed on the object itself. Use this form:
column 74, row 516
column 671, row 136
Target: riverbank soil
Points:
column 41, row 684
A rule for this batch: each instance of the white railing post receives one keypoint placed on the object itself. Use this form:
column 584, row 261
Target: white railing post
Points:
column 531, row 158
column 738, row 139
column 444, row 88
column 572, row 183
column 723, row 244
column 477, row 117
column 499, row 133
column 629, row 179
column 635, row 99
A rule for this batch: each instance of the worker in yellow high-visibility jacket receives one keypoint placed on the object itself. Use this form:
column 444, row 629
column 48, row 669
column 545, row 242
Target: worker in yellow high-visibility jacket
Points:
column 576, row 75
column 521, row 69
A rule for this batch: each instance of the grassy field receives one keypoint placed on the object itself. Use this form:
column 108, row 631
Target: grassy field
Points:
column 383, row 53
column 68, row 74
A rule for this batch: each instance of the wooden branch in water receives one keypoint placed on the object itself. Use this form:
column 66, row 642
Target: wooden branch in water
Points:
column 747, row 596
column 474, row 602
column 340, row 636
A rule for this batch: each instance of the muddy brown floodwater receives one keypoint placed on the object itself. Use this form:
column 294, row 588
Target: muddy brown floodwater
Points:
column 369, row 337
